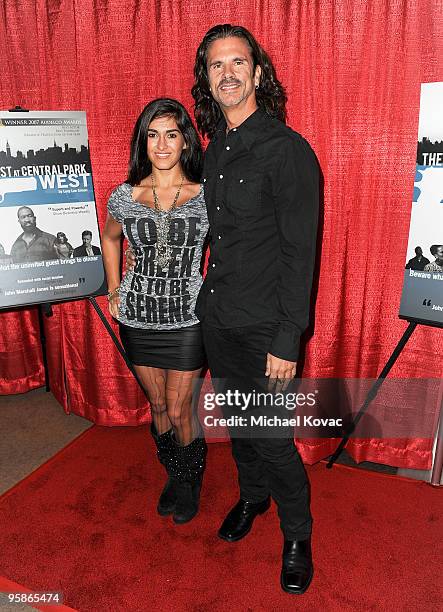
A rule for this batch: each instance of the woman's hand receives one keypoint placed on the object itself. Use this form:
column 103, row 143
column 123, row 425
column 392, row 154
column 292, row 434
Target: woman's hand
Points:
column 114, row 303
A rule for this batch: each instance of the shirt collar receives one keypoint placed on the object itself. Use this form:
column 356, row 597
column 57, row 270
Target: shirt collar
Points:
column 37, row 233
column 248, row 130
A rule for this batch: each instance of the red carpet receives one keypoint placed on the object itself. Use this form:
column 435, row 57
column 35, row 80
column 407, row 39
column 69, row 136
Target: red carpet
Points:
column 85, row 524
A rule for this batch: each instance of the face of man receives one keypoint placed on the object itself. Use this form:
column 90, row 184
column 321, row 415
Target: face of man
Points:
column 230, row 72
column 87, row 239
column 27, row 220
column 418, row 252
column 439, row 253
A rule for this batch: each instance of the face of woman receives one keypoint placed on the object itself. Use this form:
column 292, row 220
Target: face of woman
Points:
column 165, row 143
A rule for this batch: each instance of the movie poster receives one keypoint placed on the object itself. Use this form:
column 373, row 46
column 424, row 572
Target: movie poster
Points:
column 49, row 237
column 422, row 297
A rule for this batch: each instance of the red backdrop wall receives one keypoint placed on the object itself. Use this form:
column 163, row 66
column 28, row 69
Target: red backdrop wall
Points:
column 352, row 70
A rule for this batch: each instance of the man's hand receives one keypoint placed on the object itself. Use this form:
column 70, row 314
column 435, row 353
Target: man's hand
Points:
column 130, row 259
column 280, row 372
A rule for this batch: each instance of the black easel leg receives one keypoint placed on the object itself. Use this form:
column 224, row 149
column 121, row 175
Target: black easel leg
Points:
column 437, row 468
column 46, row 309
column 372, row 393
column 116, row 341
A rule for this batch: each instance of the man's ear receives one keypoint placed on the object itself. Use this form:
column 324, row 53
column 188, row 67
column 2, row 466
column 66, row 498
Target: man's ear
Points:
column 257, row 76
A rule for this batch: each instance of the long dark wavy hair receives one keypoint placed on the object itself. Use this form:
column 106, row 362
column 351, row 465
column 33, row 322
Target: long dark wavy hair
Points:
column 191, row 158
column 270, row 94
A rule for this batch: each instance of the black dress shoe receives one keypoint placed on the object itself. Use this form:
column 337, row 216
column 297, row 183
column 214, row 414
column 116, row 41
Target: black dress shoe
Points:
column 239, row 520
column 297, row 569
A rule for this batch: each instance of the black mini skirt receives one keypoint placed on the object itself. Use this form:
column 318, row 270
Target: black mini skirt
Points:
column 176, row 349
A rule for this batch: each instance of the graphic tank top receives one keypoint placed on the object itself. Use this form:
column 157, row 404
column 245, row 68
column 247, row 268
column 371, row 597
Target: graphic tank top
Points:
column 152, row 297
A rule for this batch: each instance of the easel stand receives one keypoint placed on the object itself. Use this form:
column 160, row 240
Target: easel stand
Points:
column 438, row 462
column 44, row 309
column 115, row 340
column 437, row 469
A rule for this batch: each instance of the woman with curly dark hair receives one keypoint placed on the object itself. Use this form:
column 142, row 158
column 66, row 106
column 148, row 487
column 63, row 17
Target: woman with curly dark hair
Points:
column 269, row 95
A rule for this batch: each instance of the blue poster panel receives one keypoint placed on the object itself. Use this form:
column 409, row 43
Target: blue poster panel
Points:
column 49, row 236
column 422, row 296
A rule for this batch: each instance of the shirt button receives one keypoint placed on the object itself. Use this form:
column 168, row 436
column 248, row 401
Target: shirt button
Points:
column 213, row 265
column 221, row 176
column 219, row 237
column 212, row 290
column 241, row 181
column 234, row 129
column 218, row 207
column 228, row 148
column 204, row 180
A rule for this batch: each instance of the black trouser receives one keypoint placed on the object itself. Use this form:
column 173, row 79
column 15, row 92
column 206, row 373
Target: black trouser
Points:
column 266, row 465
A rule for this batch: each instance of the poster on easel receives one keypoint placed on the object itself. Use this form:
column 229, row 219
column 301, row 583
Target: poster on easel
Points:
column 422, row 296
column 49, row 235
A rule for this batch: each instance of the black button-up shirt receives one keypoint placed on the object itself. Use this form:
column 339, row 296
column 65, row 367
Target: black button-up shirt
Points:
column 261, row 189
column 40, row 248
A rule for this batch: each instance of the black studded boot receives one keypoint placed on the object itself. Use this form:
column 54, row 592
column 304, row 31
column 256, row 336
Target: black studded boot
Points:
column 187, row 468
column 165, row 449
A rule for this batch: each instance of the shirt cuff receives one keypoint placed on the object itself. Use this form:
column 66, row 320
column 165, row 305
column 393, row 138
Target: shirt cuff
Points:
column 286, row 343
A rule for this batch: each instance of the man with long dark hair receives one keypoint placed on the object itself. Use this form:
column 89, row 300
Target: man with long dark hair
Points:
column 261, row 191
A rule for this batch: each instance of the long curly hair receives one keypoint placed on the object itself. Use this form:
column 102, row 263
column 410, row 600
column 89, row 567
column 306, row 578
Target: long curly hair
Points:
column 270, row 94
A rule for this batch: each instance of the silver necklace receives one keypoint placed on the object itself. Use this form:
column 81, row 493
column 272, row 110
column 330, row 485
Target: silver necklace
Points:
column 163, row 254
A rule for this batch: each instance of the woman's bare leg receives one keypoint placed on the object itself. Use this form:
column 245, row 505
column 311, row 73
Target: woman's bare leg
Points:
column 180, row 410
column 154, row 383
